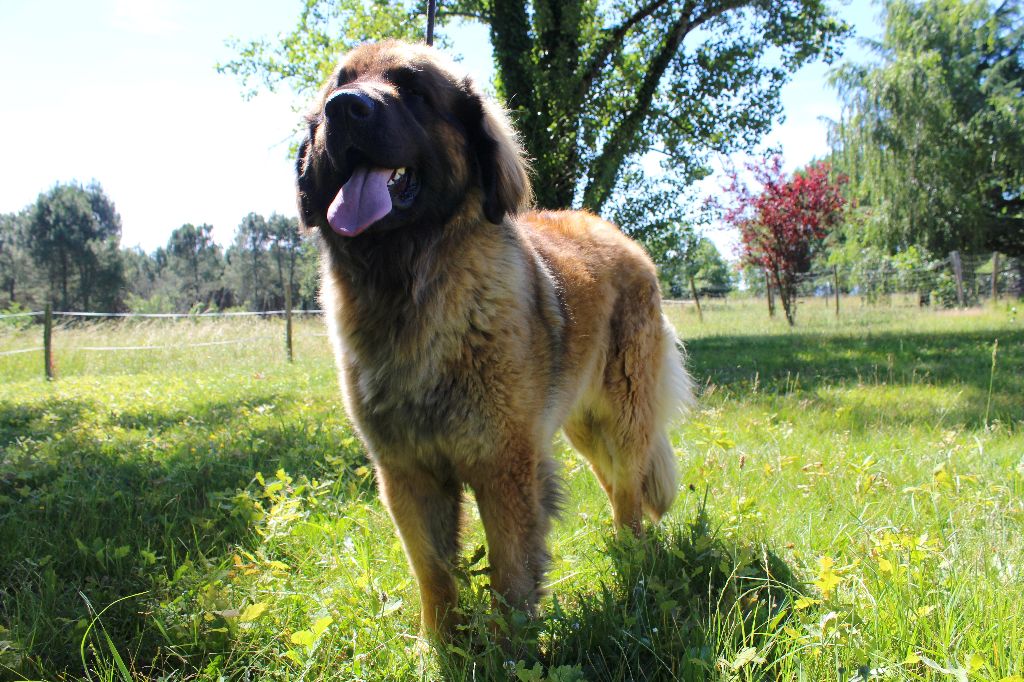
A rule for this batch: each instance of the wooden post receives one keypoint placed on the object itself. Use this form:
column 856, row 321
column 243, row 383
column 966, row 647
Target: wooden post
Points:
column 288, row 320
column 958, row 273
column 696, row 299
column 835, row 280
column 995, row 276
column 48, row 342
column 886, row 288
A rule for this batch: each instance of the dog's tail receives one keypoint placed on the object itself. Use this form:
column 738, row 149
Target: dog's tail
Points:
column 675, row 397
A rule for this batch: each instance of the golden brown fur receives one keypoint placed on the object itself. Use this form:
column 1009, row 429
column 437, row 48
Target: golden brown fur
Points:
column 467, row 332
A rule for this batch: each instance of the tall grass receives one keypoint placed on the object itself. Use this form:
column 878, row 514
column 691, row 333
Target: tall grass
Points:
column 851, row 505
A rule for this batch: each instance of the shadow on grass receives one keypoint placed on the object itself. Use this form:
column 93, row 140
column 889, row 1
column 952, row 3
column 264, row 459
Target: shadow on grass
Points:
column 96, row 506
column 806, row 362
column 681, row 601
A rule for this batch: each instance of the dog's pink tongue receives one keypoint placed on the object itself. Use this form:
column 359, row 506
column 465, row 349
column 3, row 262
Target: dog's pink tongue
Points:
column 361, row 202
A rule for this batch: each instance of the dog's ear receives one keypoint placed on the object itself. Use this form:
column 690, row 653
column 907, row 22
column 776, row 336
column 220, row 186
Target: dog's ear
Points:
column 314, row 176
column 499, row 156
column 308, row 182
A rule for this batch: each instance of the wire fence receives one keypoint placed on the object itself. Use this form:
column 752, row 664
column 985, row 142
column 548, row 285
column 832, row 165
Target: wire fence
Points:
column 231, row 313
column 951, row 282
column 954, row 281
column 29, row 318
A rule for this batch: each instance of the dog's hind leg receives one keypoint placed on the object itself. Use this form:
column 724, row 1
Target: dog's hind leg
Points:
column 426, row 512
column 586, row 433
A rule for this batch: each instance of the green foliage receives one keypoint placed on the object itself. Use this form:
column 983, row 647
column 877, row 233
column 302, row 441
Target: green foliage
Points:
column 592, row 86
column 72, row 236
column 932, row 136
column 657, row 216
column 65, row 249
column 195, row 259
column 711, row 272
column 268, row 256
column 15, row 266
column 700, row 261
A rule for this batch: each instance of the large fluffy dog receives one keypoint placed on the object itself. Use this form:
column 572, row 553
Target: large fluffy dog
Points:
column 467, row 331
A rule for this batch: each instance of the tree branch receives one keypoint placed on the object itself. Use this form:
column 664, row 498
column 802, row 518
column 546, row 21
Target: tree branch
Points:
column 478, row 16
column 606, row 166
column 612, row 39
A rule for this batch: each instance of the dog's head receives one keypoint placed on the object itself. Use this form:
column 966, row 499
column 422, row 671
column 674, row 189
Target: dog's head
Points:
column 400, row 140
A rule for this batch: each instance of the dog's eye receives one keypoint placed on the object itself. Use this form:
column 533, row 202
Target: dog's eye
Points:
column 411, row 91
column 405, row 81
column 344, row 76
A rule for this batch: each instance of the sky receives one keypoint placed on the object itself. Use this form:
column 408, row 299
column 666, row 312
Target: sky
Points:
column 125, row 92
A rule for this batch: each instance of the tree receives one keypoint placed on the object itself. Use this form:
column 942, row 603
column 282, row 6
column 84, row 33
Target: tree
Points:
column 285, row 250
column 782, row 224
column 708, row 268
column 656, row 214
column 932, row 137
column 14, row 265
column 196, row 259
column 75, row 234
column 247, row 261
column 592, row 86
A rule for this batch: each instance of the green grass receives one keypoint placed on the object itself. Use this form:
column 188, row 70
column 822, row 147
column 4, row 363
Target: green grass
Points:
column 852, row 504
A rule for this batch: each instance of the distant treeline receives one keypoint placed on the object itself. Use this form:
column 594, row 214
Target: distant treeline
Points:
column 65, row 249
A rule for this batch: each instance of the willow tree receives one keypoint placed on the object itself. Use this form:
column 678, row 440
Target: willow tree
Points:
column 593, row 86
column 932, row 135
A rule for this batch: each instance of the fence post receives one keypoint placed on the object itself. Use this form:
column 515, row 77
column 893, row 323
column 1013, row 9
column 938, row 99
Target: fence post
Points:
column 288, row 320
column 48, row 342
column 835, row 280
column 958, row 273
column 696, row 299
column 995, row 276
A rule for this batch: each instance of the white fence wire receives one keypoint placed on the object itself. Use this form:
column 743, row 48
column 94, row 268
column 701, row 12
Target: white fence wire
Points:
column 149, row 347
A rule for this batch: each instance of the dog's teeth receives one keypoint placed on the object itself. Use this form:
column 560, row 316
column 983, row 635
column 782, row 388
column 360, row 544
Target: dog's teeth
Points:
column 396, row 175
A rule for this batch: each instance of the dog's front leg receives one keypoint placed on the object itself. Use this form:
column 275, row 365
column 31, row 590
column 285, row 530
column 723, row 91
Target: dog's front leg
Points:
column 511, row 496
column 426, row 512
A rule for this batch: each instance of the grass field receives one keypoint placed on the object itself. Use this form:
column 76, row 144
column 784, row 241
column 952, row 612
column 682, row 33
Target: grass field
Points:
column 852, row 507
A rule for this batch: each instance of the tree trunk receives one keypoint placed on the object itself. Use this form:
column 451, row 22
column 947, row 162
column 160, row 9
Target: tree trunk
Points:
column 835, row 277
column 696, row 299
column 787, row 292
column 195, row 278
column 64, row 281
column 995, row 276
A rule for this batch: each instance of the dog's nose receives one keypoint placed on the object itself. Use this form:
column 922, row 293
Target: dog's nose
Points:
column 349, row 104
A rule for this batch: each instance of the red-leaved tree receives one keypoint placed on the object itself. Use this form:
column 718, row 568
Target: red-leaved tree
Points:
column 782, row 223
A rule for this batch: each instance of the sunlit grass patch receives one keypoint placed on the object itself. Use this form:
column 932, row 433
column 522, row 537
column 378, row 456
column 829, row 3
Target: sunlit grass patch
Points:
column 846, row 509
